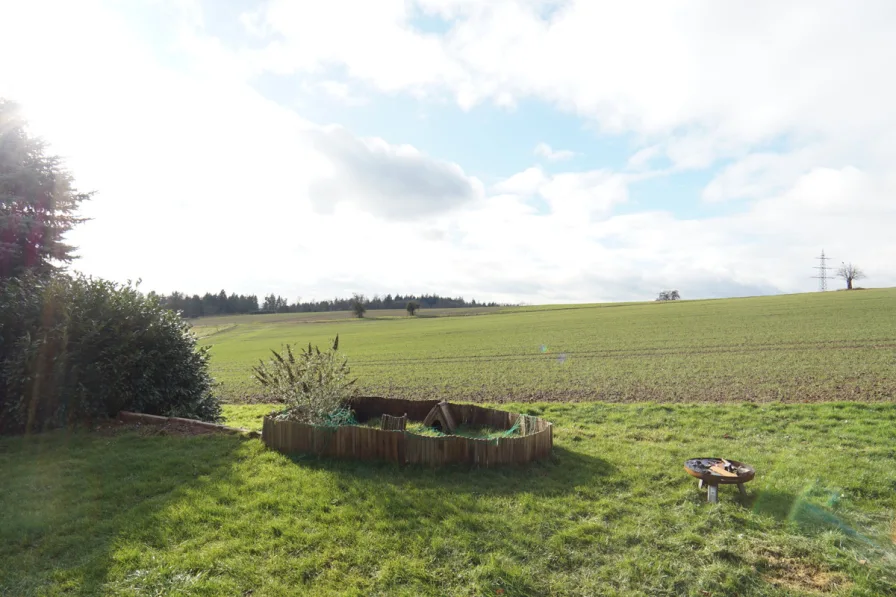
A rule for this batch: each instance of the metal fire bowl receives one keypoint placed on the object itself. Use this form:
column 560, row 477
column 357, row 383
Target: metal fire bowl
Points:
column 699, row 467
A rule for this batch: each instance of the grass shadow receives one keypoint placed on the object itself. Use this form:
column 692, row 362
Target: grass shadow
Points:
column 565, row 471
column 70, row 496
column 118, row 513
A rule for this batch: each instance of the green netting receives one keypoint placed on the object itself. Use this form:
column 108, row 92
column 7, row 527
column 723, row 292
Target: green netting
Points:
column 530, row 421
column 340, row 418
column 514, row 429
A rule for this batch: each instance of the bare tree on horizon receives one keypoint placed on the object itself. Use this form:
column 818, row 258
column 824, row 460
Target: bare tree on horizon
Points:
column 850, row 273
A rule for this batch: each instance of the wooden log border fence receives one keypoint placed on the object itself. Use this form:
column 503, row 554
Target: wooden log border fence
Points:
column 535, row 441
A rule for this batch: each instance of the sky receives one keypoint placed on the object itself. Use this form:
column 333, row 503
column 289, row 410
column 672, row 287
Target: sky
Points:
column 522, row 151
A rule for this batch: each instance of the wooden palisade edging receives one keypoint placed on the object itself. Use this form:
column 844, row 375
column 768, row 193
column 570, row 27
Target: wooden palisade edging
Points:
column 391, row 423
column 535, row 441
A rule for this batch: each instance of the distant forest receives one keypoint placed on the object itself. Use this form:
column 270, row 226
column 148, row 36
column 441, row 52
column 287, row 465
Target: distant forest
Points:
column 225, row 304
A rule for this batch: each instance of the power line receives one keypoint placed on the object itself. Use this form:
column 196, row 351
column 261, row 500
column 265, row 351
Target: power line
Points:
column 822, row 268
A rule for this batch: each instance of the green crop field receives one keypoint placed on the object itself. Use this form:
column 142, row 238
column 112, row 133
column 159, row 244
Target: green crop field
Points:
column 807, row 347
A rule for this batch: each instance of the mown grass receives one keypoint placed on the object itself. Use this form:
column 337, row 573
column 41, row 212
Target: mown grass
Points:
column 88, row 513
column 820, row 346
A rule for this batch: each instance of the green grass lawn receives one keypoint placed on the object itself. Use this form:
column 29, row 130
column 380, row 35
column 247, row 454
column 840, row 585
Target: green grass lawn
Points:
column 131, row 513
column 815, row 347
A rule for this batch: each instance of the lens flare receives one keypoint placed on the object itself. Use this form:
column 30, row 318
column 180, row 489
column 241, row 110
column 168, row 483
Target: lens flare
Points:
column 815, row 509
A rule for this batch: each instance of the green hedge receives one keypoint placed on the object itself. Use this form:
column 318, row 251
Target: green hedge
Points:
column 77, row 348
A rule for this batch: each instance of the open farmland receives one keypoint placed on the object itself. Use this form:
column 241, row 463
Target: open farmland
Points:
column 807, row 347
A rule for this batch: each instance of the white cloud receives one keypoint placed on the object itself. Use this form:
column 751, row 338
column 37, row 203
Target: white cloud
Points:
column 719, row 75
column 341, row 92
column 204, row 184
column 581, row 196
column 759, row 175
column 527, row 182
column 363, row 36
column 572, row 197
column 395, row 182
column 252, row 24
column 553, row 155
column 641, row 159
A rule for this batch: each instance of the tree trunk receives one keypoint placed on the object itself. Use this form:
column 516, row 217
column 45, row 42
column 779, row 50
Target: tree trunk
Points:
column 849, row 283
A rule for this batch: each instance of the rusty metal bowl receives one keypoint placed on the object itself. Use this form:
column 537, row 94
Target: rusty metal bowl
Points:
column 700, row 468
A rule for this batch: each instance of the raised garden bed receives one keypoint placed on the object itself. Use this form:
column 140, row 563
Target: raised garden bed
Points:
column 512, row 438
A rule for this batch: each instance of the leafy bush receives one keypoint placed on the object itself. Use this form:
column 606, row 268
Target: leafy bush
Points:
column 311, row 384
column 668, row 295
column 358, row 307
column 76, row 348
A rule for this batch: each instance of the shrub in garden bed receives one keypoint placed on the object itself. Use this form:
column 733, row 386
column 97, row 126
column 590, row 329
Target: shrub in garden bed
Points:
column 312, row 385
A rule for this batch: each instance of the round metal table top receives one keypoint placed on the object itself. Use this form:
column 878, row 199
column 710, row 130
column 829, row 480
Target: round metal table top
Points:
column 715, row 471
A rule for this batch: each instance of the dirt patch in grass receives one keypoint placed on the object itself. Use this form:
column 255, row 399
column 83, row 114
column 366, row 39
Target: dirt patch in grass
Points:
column 799, row 575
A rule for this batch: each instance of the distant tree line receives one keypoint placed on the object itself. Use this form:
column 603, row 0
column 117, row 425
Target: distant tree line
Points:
column 226, row 304
column 398, row 301
column 210, row 304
